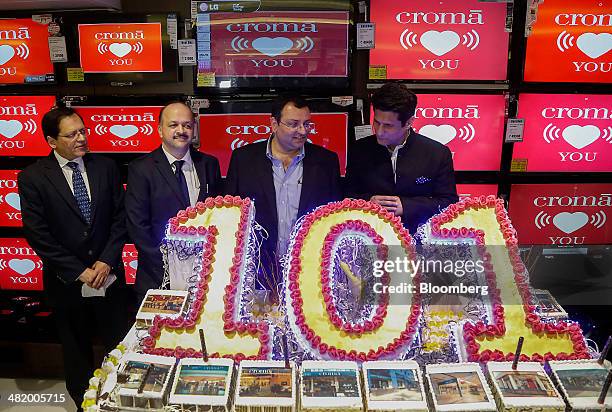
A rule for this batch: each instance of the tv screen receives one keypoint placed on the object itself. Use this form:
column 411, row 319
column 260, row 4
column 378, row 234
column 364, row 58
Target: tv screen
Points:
column 273, row 49
column 120, row 48
column 10, row 204
column 570, row 41
column 126, row 129
column 476, row 189
column 565, row 133
column 224, row 131
column 20, row 268
column 472, row 126
column 440, row 40
column 562, row 214
column 130, row 263
column 20, row 132
column 24, row 52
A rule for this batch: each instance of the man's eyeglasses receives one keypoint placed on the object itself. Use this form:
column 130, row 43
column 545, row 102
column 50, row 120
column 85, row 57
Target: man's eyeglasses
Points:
column 84, row 132
column 308, row 126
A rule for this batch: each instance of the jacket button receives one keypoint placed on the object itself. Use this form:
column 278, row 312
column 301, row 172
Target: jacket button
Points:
column 90, row 252
column 85, row 233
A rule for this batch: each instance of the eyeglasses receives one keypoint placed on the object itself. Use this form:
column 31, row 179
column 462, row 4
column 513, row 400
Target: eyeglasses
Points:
column 84, row 132
column 308, row 126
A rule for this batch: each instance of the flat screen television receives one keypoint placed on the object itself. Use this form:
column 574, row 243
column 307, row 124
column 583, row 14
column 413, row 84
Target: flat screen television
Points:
column 562, row 214
column 226, row 126
column 20, row 267
column 20, row 132
column 470, row 125
column 121, row 129
column 292, row 44
column 122, row 48
column 440, row 40
column 570, row 41
column 24, row 52
column 565, row 133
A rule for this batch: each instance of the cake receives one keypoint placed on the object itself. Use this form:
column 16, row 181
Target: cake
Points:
column 484, row 222
column 330, row 386
column 203, row 385
column 458, row 387
column 394, row 386
column 527, row 387
column 169, row 303
column 580, row 383
column 143, row 381
column 266, row 386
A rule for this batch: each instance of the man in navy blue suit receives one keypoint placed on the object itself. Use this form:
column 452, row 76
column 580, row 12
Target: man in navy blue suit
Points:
column 401, row 170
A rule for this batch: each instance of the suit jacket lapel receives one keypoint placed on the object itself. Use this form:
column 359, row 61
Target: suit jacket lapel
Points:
column 93, row 176
column 267, row 182
column 308, row 181
column 56, row 177
column 164, row 168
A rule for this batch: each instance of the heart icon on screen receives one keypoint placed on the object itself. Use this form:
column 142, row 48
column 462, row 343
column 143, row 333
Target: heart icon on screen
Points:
column 120, row 49
column 13, row 200
column 22, row 266
column 444, row 133
column 570, row 222
column 594, row 45
column 133, row 264
column 272, row 46
column 440, row 43
column 124, row 131
column 10, row 128
column 580, row 136
column 6, row 53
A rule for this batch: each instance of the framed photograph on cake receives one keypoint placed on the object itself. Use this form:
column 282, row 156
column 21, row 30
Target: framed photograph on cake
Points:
column 547, row 305
column 394, row 385
column 459, row 387
column 266, row 384
column 197, row 382
column 581, row 383
column 144, row 380
column 169, row 303
column 330, row 384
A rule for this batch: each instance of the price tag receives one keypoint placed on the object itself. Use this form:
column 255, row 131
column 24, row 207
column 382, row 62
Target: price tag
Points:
column 378, row 72
column 75, row 74
column 187, row 52
column 514, row 130
column 42, row 18
column 342, row 100
column 363, row 131
column 518, row 165
column 207, row 79
column 172, row 29
column 57, row 49
column 365, row 35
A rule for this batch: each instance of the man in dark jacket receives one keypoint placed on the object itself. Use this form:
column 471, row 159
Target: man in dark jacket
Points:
column 401, row 170
column 74, row 219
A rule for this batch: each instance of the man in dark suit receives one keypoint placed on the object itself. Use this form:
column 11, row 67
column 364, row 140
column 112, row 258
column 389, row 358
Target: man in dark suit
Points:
column 170, row 178
column 401, row 170
column 74, row 219
column 286, row 176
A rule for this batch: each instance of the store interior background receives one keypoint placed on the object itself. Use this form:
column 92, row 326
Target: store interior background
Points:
column 28, row 345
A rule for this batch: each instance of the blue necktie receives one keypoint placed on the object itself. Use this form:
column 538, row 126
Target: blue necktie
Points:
column 80, row 192
column 180, row 176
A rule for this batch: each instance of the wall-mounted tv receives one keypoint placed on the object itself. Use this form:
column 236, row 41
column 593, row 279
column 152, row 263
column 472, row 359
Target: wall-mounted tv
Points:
column 570, row 41
column 565, row 133
column 10, row 203
column 274, row 47
column 440, row 40
column 227, row 126
column 20, row 132
column 20, row 267
column 24, row 52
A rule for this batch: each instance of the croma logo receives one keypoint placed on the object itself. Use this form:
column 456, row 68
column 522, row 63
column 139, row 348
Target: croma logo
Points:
column 21, row 33
column 578, row 19
column 407, row 17
column 602, row 200
column 248, row 130
column 588, row 113
column 27, row 110
column 132, row 118
column 264, row 27
column 470, row 111
column 132, row 35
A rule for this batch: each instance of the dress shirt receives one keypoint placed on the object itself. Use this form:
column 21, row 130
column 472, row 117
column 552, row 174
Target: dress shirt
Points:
column 191, row 176
column 67, row 171
column 288, row 188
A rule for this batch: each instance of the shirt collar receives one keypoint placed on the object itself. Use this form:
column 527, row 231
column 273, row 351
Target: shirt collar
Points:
column 172, row 159
column 298, row 158
column 398, row 147
column 63, row 161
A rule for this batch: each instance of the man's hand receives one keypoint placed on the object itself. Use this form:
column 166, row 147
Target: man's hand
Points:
column 392, row 203
column 101, row 270
column 87, row 277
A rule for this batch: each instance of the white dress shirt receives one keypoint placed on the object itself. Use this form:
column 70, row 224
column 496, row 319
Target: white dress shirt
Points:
column 191, row 176
column 63, row 162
